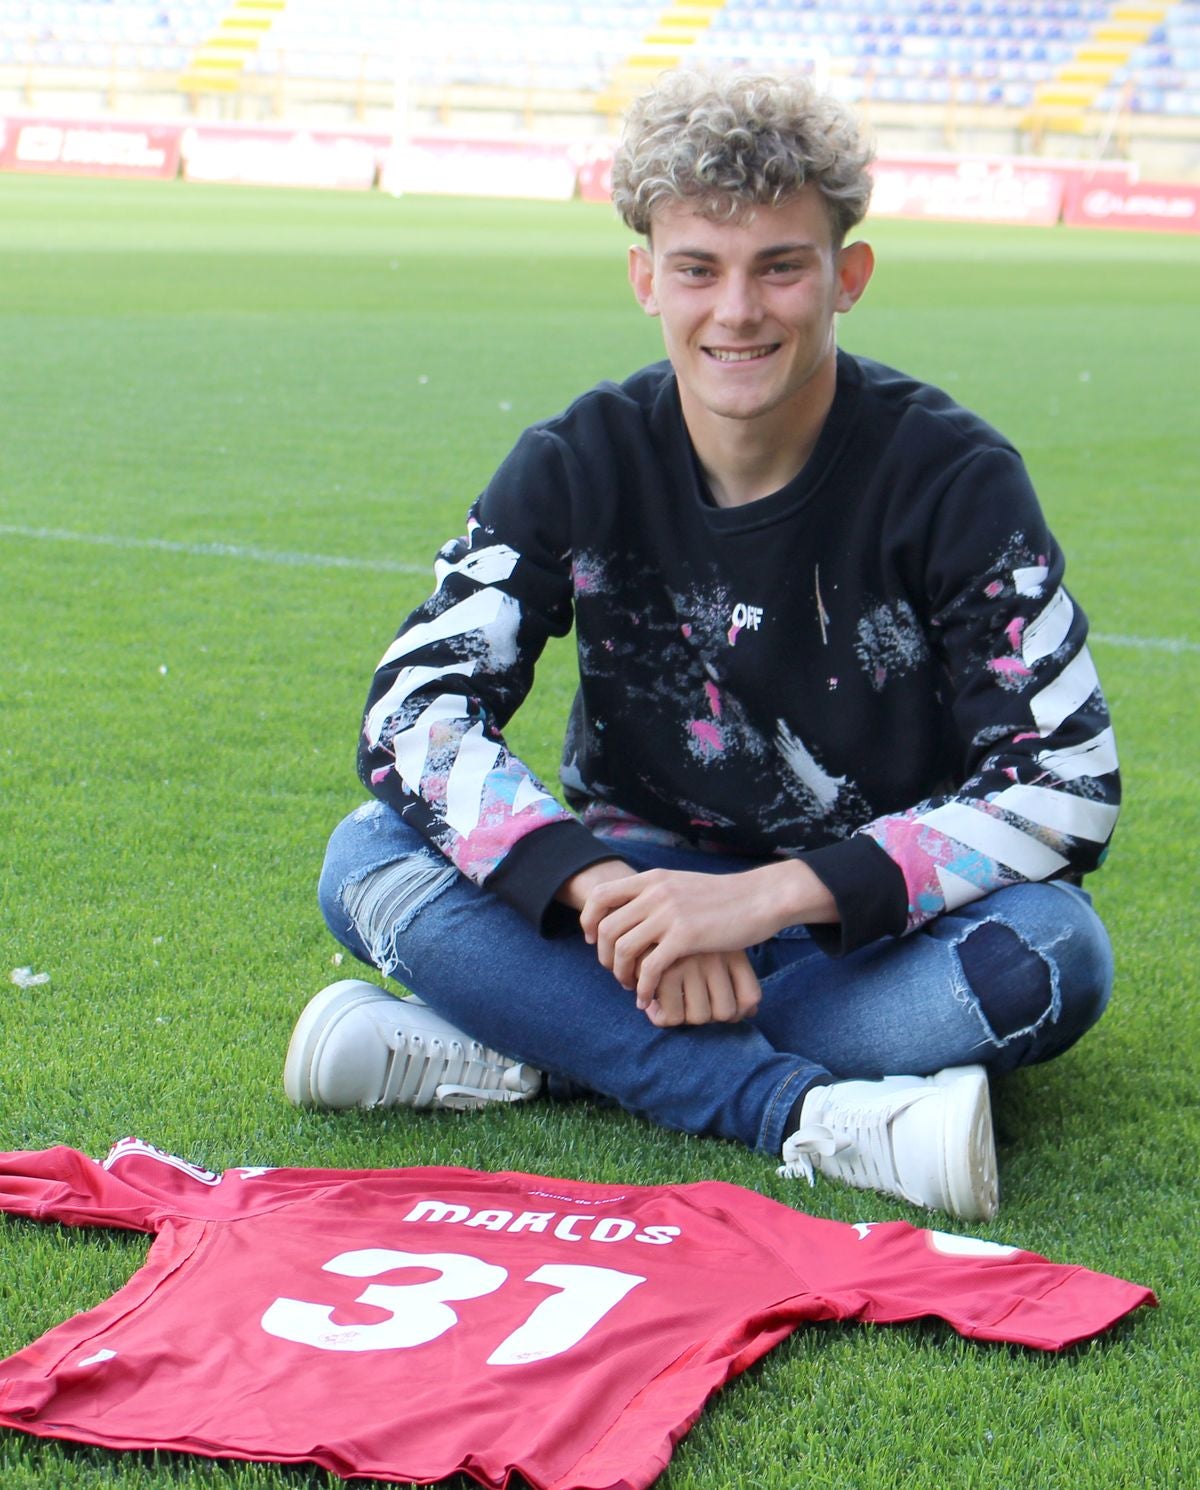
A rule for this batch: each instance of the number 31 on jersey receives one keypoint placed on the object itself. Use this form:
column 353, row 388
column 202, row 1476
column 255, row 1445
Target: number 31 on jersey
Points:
column 421, row 1312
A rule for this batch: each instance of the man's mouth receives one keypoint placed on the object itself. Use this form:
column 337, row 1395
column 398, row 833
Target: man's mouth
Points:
column 747, row 354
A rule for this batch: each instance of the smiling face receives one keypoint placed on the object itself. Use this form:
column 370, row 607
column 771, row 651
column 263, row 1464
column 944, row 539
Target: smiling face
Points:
column 747, row 309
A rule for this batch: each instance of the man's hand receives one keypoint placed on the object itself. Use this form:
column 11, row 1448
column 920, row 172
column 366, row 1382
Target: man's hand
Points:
column 706, row 988
column 703, row 988
column 643, row 924
column 679, row 938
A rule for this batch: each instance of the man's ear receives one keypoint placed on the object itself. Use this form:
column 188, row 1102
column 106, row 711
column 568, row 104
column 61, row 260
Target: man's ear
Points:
column 641, row 277
column 855, row 265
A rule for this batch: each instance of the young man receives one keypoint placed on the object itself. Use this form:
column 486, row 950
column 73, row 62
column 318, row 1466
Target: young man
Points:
column 838, row 757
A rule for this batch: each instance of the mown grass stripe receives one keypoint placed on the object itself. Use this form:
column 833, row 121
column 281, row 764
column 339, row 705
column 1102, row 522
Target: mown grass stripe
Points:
column 215, row 550
column 1146, row 643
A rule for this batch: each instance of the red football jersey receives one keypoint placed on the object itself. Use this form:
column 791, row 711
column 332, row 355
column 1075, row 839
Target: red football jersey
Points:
column 410, row 1323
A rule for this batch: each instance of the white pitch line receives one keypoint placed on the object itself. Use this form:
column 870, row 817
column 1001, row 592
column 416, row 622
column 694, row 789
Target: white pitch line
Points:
column 216, row 550
column 1146, row 643
column 394, row 566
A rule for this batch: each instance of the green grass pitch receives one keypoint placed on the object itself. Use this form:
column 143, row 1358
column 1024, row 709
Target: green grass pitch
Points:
column 236, row 426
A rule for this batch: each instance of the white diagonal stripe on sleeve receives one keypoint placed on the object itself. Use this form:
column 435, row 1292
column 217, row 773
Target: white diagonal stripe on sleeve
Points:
column 1068, row 692
column 527, row 793
column 1048, row 629
column 1079, row 817
column 995, row 838
column 412, row 746
column 1094, row 757
column 1030, row 581
column 955, row 890
column 485, row 566
column 406, row 684
column 472, row 614
column 476, row 756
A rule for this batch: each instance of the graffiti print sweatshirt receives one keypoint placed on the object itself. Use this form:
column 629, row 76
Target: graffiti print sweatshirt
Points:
column 876, row 668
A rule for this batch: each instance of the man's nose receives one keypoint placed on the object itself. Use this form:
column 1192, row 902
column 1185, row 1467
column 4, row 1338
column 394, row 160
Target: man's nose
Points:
column 740, row 303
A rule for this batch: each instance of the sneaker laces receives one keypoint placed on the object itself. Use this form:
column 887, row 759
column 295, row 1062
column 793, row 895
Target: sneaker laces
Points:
column 424, row 1070
column 860, row 1146
column 515, row 1087
column 814, row 1140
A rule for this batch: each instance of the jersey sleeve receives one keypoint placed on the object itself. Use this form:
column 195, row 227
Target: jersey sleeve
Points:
column 62, row 1184
column 432, row 743
column 138, row 1187
column 890, row 1272
column 1038, row 790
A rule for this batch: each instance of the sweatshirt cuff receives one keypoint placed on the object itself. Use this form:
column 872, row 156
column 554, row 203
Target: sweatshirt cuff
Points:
column 537, row 866
column 868, row 889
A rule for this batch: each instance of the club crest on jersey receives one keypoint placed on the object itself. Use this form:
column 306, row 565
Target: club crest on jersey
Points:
column 567, row 1228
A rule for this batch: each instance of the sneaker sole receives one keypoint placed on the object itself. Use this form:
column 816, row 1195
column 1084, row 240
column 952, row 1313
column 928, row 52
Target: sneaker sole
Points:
column 972, row 1189
column 320, row 1015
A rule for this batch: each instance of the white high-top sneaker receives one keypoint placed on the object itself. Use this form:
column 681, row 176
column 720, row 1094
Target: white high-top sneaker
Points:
column 356, row 1045
column 924, row 1139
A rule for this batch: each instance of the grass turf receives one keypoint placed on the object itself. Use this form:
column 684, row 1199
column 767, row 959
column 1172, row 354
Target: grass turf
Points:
column 252, row 381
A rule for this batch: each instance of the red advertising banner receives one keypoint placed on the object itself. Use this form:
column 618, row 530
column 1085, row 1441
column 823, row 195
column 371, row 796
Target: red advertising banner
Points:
column 445, row 166
column 972, row 189
column 593, row 170
column 236, row 155
column 1158, row 206
column 1000, row 189
column 968, row 190
column 90, row 147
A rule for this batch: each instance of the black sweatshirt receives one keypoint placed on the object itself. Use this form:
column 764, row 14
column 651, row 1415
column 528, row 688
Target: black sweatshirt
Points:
column 875, row 669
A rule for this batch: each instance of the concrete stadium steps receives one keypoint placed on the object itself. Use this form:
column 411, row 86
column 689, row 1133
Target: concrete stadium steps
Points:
column 1062, row 105
column 665, row 45
column 219, row 62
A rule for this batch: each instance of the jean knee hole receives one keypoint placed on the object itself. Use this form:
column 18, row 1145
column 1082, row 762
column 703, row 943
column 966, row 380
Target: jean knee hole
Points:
column 1013, row 985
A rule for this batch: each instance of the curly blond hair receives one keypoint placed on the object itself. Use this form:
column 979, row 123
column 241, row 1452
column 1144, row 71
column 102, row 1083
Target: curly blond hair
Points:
column 728, row 142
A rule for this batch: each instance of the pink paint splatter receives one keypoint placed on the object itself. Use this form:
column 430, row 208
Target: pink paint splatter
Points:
column 686, row 629
column 586, row 575
column 993, row 589
column 1009, row 667
column 733, row 634
column 714, row 699
column 1013, row 631
column 708, row 735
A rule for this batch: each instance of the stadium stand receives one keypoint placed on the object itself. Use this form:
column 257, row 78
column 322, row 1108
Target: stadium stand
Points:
column 1019, row 69
column 1162, row 73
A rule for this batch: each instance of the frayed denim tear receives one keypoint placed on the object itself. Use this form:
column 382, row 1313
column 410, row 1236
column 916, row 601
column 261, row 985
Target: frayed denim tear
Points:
column 1032, row 1010
column 382, row 903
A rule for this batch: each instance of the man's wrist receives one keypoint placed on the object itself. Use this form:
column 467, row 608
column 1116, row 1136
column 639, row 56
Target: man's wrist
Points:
column 575, row 891
column 802, row 897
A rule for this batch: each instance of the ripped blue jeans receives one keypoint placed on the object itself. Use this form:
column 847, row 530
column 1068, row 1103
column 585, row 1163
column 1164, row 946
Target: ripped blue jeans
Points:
column 1010, row 980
